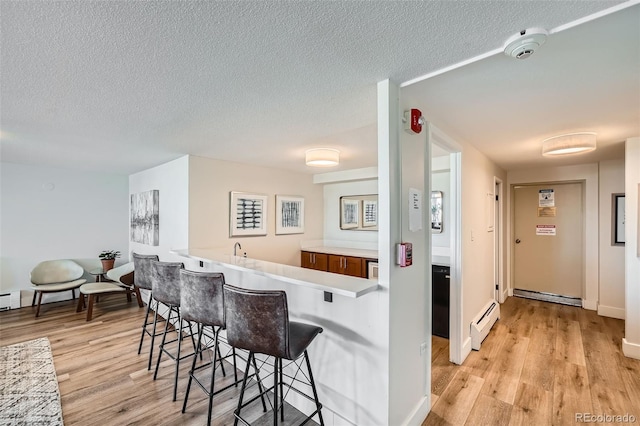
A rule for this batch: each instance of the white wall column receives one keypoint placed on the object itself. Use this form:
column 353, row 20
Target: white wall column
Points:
column 631, row 341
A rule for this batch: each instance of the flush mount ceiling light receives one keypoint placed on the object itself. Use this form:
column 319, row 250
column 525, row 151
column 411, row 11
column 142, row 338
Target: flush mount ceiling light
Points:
column 574, row 143
column 322, row 157
column 523, row 44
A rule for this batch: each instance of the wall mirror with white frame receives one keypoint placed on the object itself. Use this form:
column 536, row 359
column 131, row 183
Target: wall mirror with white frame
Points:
column 436, row 212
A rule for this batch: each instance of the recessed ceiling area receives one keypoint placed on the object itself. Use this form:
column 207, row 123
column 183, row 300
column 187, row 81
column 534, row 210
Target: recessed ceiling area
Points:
column 123, row 86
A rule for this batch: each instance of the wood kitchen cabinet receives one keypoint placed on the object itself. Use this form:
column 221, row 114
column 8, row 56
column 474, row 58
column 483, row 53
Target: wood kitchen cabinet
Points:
column 347, row 265
column 317, row 261
column 354, row 266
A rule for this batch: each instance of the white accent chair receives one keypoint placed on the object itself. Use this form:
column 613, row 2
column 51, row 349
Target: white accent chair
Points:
column 122, row 282
column 53, row 276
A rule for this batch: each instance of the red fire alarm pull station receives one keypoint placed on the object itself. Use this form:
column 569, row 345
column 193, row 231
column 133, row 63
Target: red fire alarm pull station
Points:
column 413, row 120
column 405, row 254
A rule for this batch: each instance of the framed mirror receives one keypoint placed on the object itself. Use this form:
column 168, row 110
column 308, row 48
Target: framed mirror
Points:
column 359, row 212
column 436, row 212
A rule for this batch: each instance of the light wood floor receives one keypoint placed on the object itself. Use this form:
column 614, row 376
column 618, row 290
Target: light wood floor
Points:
column 541, row 364
column 104, row 381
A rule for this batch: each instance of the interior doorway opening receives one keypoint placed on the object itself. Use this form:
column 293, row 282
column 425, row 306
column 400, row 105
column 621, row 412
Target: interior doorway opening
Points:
column 446, row 243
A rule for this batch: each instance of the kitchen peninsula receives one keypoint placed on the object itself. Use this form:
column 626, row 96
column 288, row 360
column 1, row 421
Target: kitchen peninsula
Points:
column 342, row 285
column 349, row 358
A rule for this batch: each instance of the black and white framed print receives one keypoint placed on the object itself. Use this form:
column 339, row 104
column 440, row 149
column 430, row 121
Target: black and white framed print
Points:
column 247, row 214
column 145, row 217
column 349, row 212
column 369, row 212
column 617, row 225
column 289, row 215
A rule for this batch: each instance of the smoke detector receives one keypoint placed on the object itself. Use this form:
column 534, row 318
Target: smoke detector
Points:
column 523, row 44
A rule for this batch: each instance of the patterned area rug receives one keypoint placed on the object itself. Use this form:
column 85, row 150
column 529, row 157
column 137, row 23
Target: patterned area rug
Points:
column 29, row 393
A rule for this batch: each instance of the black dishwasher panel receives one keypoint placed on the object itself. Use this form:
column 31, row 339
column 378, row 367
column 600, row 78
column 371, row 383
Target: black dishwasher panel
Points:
column 440, row 305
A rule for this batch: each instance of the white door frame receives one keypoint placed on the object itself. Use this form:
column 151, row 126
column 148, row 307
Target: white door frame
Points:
column 454, row 217
column 498, row 241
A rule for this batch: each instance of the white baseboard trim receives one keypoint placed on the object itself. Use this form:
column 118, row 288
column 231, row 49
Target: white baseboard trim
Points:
column 592, row 305
column 419, row 413
column 505, row 294
column 510, row 290
column 466, row 350
column 611, row 312
column 630, row 350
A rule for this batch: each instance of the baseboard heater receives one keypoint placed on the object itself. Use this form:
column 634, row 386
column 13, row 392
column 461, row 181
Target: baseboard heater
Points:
column 482, row 324
column 10, row 300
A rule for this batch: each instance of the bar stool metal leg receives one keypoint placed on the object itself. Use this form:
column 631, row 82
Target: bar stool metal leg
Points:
column 313, row 387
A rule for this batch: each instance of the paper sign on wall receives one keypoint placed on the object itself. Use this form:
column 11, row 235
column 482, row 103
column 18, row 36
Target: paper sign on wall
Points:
column 415, row 209
column 545, row 230
column 546, row 198
column 546, row 212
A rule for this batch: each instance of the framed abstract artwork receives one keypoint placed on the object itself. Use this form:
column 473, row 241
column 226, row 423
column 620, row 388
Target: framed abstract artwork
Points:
column 247, row 214
column 617, row 224
column 349, row 213
column 289, row 215
column 145, row 217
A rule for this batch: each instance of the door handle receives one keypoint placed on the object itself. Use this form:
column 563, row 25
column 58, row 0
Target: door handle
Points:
column 517, row 240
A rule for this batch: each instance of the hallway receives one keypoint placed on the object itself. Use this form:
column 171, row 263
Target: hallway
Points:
column 542, row 364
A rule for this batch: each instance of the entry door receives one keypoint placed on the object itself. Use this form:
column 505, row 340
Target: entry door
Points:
column 549, row 240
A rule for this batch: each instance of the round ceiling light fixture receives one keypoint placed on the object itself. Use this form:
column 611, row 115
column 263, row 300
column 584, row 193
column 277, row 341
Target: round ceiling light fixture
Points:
column 322, row 157
column 573, row 143
column 523, row 44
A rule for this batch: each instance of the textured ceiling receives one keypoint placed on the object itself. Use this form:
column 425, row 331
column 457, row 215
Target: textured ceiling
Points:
column 125, row 85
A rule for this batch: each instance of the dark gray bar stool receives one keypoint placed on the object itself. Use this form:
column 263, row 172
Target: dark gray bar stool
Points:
column 142, row 279
column 202, row 302
column 165, row 280
column 258, row 321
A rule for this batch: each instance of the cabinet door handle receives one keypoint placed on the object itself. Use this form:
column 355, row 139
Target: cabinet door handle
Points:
column 447, row 276
column 345, row 263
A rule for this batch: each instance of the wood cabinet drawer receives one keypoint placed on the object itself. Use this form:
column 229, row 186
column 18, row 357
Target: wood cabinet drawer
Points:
column 311, row 260
column 346, row 265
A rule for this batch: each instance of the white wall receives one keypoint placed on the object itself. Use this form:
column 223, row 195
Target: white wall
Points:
column 611, row 303
column 332, row 194
column 172, row 181
column 589, row 174
column 403, row 163
column 478, row 281
column 49, row 213
column 631, row 341
column 211, row 181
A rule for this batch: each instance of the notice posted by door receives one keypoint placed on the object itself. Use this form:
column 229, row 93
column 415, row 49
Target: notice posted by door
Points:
column 546, row 198
column 546, row 230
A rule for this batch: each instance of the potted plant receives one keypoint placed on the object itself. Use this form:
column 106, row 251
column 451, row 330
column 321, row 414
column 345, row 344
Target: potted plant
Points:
column 108, row 258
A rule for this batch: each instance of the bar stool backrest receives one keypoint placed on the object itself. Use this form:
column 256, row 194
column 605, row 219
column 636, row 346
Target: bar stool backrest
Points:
column 201, row 297
column 257, row 320
column 142, row 269
column 165, row 281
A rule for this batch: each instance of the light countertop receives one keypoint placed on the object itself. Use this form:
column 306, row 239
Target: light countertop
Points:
column 440, row 260
column 343, row 285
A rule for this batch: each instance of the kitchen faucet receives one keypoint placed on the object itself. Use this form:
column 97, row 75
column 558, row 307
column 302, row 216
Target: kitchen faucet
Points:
column 235, row 247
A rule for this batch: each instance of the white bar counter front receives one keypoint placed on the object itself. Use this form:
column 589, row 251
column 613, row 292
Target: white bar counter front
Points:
column 350, row 357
